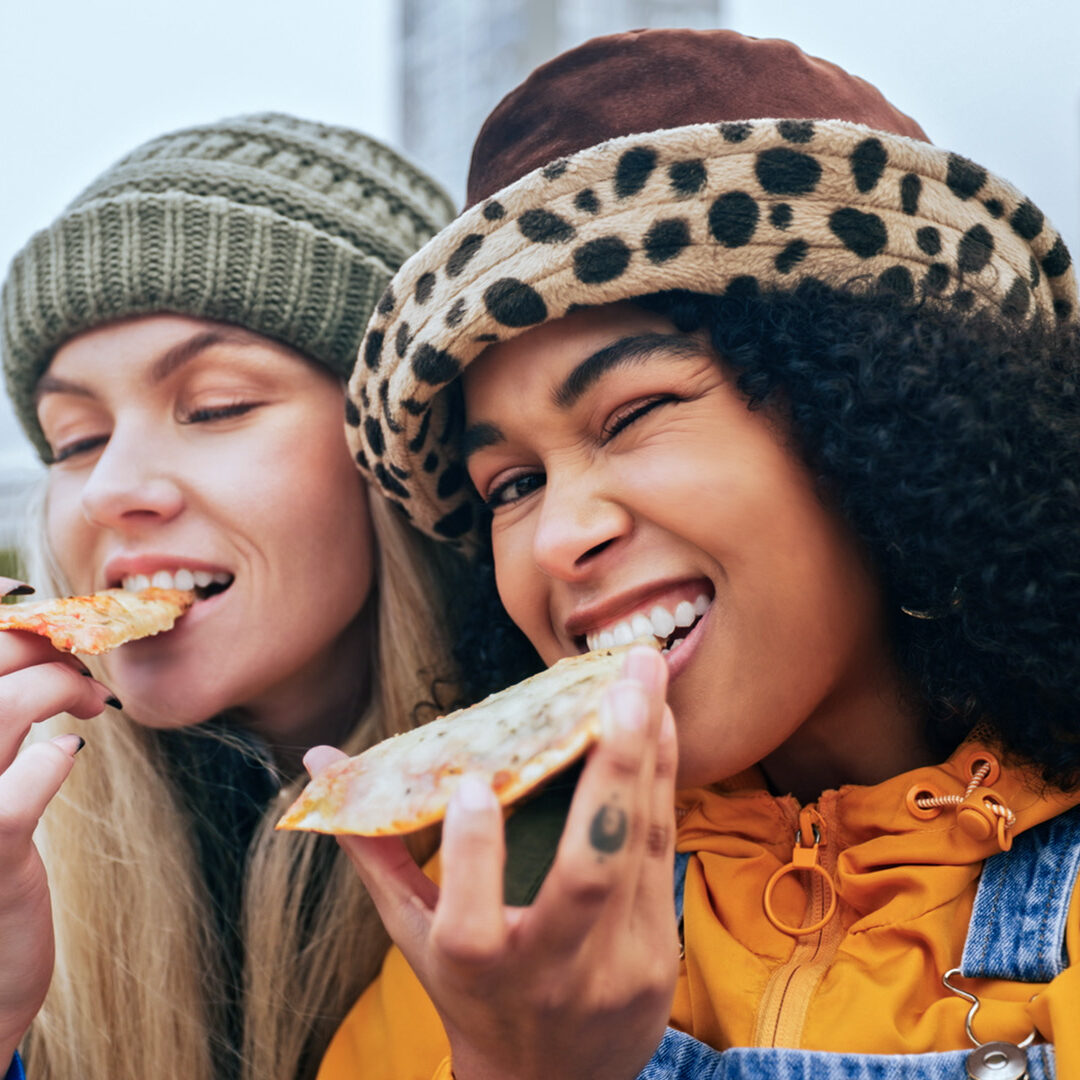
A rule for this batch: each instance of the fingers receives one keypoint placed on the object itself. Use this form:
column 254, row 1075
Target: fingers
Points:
column 10, row 586
column 318, row 757
column 21, row 648
column 610, row 820
column 469, row 925
column 32, row 694
column 654, row 888
column 28, row 785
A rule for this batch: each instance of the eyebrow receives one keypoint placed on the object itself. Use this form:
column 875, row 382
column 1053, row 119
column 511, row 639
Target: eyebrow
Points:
column 175, row 357
column 628, row 350
column 172, row 359
column 477, row 437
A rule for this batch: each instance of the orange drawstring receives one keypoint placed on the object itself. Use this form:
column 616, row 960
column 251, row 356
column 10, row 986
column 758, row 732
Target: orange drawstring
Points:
column 809, row 837
column 980, row 811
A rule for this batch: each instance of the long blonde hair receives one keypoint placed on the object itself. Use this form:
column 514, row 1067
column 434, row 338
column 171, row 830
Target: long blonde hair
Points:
column 136, row 988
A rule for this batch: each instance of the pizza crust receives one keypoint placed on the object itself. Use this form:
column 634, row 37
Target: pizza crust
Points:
column 514, row 740
column 95, row 624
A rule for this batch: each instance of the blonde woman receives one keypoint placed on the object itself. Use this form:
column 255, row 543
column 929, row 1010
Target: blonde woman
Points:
column 174, row 345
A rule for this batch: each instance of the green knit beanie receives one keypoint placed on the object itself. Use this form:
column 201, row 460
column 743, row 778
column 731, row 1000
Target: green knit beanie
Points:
column 288, row 228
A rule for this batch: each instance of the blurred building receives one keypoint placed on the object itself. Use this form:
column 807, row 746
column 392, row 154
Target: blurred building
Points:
column 459, row 57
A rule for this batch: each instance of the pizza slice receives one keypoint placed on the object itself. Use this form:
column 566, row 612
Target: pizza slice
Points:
column 98, row 623
column 514, row 739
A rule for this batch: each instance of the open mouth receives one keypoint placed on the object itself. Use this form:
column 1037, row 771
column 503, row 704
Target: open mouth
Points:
column 668, row 627
column 204, row 583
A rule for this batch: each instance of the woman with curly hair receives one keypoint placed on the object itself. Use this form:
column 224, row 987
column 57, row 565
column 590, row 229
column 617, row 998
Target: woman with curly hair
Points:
column 735, row 360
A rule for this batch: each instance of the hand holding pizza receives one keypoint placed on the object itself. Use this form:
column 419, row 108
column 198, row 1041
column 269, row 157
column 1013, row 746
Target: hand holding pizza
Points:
column 36, row 682
column 580, row 983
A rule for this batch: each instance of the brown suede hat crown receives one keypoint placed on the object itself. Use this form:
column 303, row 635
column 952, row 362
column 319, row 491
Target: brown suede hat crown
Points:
column 594, row 93
column 677, row 159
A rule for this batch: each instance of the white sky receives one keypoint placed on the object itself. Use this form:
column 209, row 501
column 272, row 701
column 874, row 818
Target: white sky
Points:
column 81, row 83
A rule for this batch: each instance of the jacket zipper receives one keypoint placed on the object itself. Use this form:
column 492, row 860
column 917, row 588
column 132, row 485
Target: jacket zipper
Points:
column 782, row 1013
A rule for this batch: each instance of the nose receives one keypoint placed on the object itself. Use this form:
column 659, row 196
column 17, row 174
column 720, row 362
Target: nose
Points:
column 131, row 484
column 578, row 524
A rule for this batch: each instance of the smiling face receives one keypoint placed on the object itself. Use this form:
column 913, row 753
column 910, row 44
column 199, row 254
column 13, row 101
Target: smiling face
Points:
column 634, row 492
column 188, row 452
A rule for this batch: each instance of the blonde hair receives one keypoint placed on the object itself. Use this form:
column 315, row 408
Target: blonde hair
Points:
column 139, row 975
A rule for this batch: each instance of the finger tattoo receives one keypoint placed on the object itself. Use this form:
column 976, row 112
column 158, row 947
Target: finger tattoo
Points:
column 607, row 833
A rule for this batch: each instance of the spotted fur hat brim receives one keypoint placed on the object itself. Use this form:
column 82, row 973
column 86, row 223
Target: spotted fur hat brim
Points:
column 686, row 208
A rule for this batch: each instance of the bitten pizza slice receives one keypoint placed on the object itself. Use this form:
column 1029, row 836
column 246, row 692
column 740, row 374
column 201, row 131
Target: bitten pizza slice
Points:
column 513, row 739
column 98, row 623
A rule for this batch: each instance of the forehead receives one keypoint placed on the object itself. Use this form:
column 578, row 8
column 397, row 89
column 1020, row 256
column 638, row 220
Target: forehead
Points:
column 131, row 340
column 535, row 361
column 148, row 349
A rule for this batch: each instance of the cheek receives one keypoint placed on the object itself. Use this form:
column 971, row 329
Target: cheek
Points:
column 326, row 502
column 522, row 590
column 68, row 535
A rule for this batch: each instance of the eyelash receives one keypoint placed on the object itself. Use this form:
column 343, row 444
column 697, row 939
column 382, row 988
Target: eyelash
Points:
column 198, row 416
column 620, row 420
column 81, row 446
column 616, row 423
column 219, row 412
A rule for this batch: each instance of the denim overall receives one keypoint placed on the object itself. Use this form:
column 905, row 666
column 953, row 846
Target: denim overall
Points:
column 1017, row 933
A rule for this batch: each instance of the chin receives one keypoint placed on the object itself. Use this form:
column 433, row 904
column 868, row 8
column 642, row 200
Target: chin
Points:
column 166, row 700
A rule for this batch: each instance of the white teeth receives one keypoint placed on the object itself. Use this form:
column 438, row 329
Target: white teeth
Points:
column 684, row 613
column 663, row 622
column 658, row 623
column 676, row 643
column 179, row 579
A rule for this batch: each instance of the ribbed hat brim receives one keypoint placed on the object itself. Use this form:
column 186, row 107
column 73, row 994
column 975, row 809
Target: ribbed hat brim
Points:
column 277, row 224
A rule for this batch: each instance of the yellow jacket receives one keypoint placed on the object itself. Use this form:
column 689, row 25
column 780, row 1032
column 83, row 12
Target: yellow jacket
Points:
column 868, row 982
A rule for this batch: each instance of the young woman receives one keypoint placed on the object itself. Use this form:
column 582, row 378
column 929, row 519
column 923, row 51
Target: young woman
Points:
column 174, row 345
column 798, row 398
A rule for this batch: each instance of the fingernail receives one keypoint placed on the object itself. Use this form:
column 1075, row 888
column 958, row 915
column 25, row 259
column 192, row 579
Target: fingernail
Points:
column 642, row 667
column 22, row 589
column 110, row 698
column 473, row 794
column 70, row 744
column 623, row 711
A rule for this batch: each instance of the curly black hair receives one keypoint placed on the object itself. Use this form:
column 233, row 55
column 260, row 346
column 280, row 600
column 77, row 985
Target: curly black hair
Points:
column 950, row 443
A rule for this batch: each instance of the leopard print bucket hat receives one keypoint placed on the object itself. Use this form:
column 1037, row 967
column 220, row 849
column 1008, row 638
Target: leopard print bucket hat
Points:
column 675, row 159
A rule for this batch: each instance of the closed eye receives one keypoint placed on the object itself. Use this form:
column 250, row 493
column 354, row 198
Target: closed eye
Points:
column 79, row 446
column 219, row 412
column 624, row 416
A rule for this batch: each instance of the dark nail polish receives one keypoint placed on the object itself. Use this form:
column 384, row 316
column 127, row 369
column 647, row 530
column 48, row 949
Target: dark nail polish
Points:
column 81, row 667
column 114, row 702
column 20, row 590
column 82, row 743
